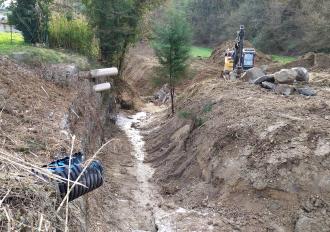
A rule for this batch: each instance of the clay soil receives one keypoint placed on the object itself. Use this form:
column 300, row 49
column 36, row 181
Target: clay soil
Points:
column 234, row 157
column 33, row 131
column 254, row 160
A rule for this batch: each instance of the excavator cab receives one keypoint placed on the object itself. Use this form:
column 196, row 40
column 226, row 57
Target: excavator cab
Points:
column 249, row 56
column 239, row 59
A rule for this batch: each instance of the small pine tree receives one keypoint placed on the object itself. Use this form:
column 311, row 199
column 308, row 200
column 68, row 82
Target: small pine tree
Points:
column 172, row 44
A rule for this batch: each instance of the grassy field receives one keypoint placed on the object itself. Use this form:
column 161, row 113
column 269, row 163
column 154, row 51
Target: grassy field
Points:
column 201, row 52
column 283, row 59
column 38, row 55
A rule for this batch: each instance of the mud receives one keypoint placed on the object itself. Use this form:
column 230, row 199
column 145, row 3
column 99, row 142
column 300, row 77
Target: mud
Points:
column 247, row 154
column 135, row 202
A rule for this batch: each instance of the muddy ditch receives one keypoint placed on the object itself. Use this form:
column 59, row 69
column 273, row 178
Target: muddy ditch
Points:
column 130, row 200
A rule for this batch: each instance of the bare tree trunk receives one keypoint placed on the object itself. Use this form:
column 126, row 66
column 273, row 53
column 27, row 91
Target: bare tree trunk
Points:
column 172, row 98
column 171, row 82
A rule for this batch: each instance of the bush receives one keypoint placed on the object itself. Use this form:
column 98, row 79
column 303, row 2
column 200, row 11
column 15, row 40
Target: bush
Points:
column 185, row 114
column 31, row 18
column 72, row 34
column 208, row 107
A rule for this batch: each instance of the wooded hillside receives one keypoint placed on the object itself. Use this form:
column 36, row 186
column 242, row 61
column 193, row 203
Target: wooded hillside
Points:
column 288, row 26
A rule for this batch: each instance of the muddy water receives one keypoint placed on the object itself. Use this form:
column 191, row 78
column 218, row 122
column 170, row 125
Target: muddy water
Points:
column 147, row 194
column 147, row 197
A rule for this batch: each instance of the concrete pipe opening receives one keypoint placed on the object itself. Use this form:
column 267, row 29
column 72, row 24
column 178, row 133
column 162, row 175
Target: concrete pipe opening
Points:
column 102, row 87
column 105, row 72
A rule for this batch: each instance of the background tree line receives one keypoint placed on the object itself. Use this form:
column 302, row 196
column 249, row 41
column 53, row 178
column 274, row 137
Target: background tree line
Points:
column 288, row 26
column 98, row 28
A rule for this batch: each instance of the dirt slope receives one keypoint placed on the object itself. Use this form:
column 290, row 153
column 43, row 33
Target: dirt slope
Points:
column 258, row 159
column 33, row 122
column 139, row 69
column 316, row 62
column 37, row 120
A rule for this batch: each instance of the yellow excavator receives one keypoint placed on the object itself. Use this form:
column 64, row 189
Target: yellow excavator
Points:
column 239, row 59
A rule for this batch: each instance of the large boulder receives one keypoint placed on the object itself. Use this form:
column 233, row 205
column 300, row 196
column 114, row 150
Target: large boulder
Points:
column 307, row 91
column 259, row 80
column 233, row 76
column 302, row 74
column 268, row 85
column 20, row 57
column 252, row 74
column 312, row 224
column 163, row 95
column 61, row 73
column 285, row 76
column 284, row 89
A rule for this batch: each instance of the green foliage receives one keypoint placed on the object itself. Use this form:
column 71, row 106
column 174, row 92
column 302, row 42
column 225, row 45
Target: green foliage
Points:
column 72, row 34
column 198, row 122
column 13, row 39
column 116, row 24
column 172, row 39
column 8, row 46
column 37, row 55
column 287, row 26
column 184, row 114
column 172, row 44
column 283, row 59
column 200, row 52
column 208, row 107
column 31, row 18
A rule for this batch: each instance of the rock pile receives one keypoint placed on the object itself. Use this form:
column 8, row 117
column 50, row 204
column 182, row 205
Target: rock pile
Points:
column 285, row 82
column 163, row 95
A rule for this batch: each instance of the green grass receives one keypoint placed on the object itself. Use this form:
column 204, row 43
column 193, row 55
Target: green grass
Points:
column 200, row 52
column 283, row 59
column 37, row 55
column 5, row 38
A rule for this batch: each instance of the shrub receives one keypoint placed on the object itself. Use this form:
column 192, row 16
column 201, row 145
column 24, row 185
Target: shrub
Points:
column 185, row 114
column 72, row 34
column 31, row 18
column 208, row 107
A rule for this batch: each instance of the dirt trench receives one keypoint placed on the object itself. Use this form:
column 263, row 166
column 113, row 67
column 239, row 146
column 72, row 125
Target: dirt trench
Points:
column 129, row 199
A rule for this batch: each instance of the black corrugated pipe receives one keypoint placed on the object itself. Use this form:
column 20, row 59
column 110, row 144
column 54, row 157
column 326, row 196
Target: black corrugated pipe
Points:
column 92, row 178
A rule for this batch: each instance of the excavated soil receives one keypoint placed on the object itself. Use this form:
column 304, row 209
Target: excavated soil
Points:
column 245, row 158
column 259, row 160
column 317, row 62
column 234, row 157
column 37, row 121
column 139, row 69
column 34, row 130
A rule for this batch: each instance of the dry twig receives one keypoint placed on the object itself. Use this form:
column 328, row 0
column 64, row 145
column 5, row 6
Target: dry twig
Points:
column 68, row 187
column 4, row 198
column 45, row 91
column 40, row 222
